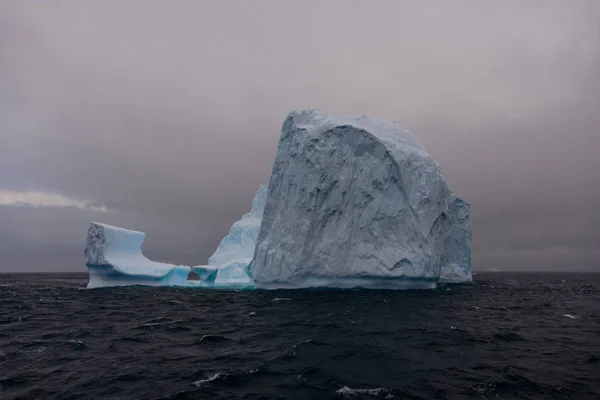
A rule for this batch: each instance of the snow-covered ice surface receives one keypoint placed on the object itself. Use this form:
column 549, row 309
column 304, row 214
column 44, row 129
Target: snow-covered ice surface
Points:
column 114, row 257
column 235, row 252
column 357, row 201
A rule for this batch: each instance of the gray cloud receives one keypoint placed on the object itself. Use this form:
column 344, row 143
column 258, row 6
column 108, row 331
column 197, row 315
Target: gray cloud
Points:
column 170, row 114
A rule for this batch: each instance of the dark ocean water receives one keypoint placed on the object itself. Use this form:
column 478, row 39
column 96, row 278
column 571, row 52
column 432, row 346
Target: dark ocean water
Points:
column 506, row 336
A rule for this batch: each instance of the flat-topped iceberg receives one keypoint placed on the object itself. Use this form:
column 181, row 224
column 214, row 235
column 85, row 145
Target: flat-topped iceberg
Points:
column 114, row 257
column 229, row 264
column 357, row 201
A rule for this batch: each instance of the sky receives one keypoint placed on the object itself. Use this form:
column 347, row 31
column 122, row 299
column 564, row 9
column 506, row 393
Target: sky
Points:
column 164, row 116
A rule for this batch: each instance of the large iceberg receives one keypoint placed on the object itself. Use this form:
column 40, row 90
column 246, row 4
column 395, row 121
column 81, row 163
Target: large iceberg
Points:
column 229, row 264
column 114, row 257
column 357, row 201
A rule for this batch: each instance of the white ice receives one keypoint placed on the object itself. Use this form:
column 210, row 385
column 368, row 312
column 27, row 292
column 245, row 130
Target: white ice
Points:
column 114, row 257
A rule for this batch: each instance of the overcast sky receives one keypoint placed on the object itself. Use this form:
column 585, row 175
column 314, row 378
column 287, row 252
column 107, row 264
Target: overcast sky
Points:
column 164, row 116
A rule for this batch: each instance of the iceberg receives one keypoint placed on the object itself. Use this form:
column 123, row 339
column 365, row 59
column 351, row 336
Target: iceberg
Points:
column 114, row 257
column 357, row 201
column 229, row 264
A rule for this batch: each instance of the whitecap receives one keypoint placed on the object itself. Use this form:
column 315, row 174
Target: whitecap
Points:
column 209, row 379
column 349, row 393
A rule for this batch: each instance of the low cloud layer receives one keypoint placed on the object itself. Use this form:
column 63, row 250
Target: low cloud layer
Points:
column 169, row 115
column 39, row 199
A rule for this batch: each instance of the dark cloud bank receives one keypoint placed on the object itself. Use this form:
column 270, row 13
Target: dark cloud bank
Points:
column 170, row 114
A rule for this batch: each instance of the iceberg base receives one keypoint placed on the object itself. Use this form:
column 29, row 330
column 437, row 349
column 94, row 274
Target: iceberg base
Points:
column 358, row 282
column 220, row 286
column 234, row 273
column 206, row 273
column 107, row 275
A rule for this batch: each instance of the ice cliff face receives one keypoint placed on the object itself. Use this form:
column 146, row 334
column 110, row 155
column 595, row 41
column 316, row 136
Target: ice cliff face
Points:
column 358, row 201
column 114, row 257
column 229, row 263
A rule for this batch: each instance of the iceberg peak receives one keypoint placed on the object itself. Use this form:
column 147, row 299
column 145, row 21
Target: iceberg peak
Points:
column 357, row 201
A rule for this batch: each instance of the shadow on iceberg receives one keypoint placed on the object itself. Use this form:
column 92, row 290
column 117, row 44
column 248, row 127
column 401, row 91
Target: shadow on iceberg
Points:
column 114, row 257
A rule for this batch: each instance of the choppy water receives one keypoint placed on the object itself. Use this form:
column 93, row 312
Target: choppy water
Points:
column 506, row 336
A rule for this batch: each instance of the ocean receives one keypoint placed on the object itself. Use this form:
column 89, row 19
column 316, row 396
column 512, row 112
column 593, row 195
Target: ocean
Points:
column 507, row 335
